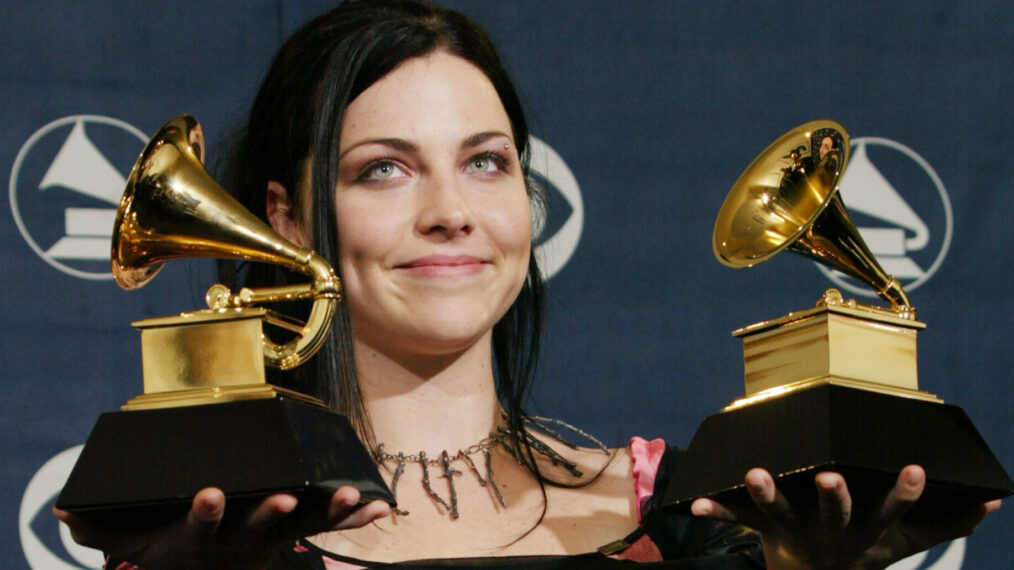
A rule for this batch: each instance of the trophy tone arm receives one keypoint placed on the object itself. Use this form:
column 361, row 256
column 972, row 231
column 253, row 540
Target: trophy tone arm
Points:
column 325, row 290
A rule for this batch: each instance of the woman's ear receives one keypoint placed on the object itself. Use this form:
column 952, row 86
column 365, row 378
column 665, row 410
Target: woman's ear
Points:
column 282, row 219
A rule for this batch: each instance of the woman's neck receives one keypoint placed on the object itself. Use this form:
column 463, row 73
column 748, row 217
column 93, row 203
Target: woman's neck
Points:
column 429, row 403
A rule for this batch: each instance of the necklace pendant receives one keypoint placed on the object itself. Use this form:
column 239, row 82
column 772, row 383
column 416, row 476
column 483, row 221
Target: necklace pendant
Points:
column 398, row 471
column 449, row 473
column 492, row 483
column 426, row 481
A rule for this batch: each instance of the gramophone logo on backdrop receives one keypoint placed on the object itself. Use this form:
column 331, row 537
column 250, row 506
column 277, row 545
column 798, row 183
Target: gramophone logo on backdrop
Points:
column 65, row 185
column 557, row 236
column 901, row 209
column 46, row 542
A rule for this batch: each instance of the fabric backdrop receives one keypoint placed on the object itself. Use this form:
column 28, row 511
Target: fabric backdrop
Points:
column 647, row 111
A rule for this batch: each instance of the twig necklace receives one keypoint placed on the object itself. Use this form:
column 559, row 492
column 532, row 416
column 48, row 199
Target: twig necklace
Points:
column 503, row 438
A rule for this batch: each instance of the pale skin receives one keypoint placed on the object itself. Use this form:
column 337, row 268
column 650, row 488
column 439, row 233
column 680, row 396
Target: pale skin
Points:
column 435, row 233
column 452, row 195
column 826, row 146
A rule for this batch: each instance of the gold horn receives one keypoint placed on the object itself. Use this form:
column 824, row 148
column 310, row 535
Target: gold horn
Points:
column 788, row 198
column 172, row 208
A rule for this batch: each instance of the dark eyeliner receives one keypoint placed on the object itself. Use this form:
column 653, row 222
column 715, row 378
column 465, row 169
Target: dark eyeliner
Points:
column 371, row 167
column 502, row 162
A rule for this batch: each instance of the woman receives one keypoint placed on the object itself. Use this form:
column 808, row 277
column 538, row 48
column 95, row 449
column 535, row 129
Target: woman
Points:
column 388, row 137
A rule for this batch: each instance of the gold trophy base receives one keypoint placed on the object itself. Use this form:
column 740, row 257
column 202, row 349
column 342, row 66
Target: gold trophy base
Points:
column 866, row 436
column 868, row 345
column 208, row 418
column 835, row 388
column 144, row 466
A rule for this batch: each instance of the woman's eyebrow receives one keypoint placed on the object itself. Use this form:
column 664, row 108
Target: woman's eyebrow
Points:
column 479, row 138
column 406, row 146
column 395, row 143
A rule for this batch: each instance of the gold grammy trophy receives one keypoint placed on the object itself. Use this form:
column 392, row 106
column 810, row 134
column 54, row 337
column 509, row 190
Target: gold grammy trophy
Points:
column 833, row 387
column 208, row 416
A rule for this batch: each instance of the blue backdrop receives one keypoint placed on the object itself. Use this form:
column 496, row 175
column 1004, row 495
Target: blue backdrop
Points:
column 649, row 112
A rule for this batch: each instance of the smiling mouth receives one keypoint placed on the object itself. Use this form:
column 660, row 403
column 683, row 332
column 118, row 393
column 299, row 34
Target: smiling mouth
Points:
column 443, row 266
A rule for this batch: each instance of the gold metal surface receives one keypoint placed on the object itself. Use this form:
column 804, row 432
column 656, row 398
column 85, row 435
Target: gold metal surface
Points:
column 786, row 389
column 172, row 208
column 214, row 395
column 830, row 341
column 832, row 301
column 191, row 353
column 788, row 199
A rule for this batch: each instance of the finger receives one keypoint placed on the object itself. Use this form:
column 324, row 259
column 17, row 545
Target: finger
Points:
column 991, row 507
column 365, row 514
column 343, row 502
column 712, row 510
column 834, row 500
column 771, row 502
column 348, row 511
column 206, row 512
column 81, row 530
column 269, row 511
column 744, row 514
column 313, row 517
column 61, row 514
column 907, row 490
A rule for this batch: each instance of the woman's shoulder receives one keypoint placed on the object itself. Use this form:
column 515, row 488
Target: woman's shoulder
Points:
column 596, row 508
column 615, row 496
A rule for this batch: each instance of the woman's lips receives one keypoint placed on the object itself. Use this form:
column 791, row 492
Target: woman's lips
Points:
column 442, row 265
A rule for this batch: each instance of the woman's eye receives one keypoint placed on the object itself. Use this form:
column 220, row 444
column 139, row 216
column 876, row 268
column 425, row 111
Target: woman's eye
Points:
column 381, row 170
column 486, row 163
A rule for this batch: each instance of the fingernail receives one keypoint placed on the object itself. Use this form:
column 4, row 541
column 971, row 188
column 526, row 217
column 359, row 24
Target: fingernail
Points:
column 701, row 507
column 912, row 477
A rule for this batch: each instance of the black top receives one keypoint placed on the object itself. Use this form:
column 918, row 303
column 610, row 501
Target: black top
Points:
column 685, row 542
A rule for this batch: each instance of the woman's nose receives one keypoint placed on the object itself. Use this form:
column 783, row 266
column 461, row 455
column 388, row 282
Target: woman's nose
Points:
column 444, row 208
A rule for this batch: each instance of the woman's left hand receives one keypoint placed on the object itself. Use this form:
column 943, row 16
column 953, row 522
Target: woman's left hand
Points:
column 836, row 531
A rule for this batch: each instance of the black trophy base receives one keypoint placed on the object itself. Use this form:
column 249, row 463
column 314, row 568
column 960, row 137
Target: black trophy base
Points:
column 868, row 437
column 144, row 466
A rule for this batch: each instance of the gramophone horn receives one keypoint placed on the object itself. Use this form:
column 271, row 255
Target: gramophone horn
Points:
column 788, row 199
column 172, row 208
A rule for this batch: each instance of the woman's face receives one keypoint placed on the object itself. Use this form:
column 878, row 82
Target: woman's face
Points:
column 433, row 215
column 826, row 145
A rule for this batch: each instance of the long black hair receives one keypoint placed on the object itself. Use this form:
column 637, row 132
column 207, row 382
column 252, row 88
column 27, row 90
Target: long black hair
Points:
column 298, row 113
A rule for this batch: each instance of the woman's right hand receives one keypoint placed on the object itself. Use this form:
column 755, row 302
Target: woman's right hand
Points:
column 206, row 538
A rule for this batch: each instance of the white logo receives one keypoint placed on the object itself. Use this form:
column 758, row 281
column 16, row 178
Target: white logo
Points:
column 39, row 495
column 887, row 183
column 549, row 171
column 60, row 169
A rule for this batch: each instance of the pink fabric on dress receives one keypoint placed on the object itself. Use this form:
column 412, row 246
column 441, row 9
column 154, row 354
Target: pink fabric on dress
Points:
column 646, row 455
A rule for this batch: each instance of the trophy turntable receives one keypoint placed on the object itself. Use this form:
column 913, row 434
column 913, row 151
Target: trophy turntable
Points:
column 833, row 387
column 208, row 416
